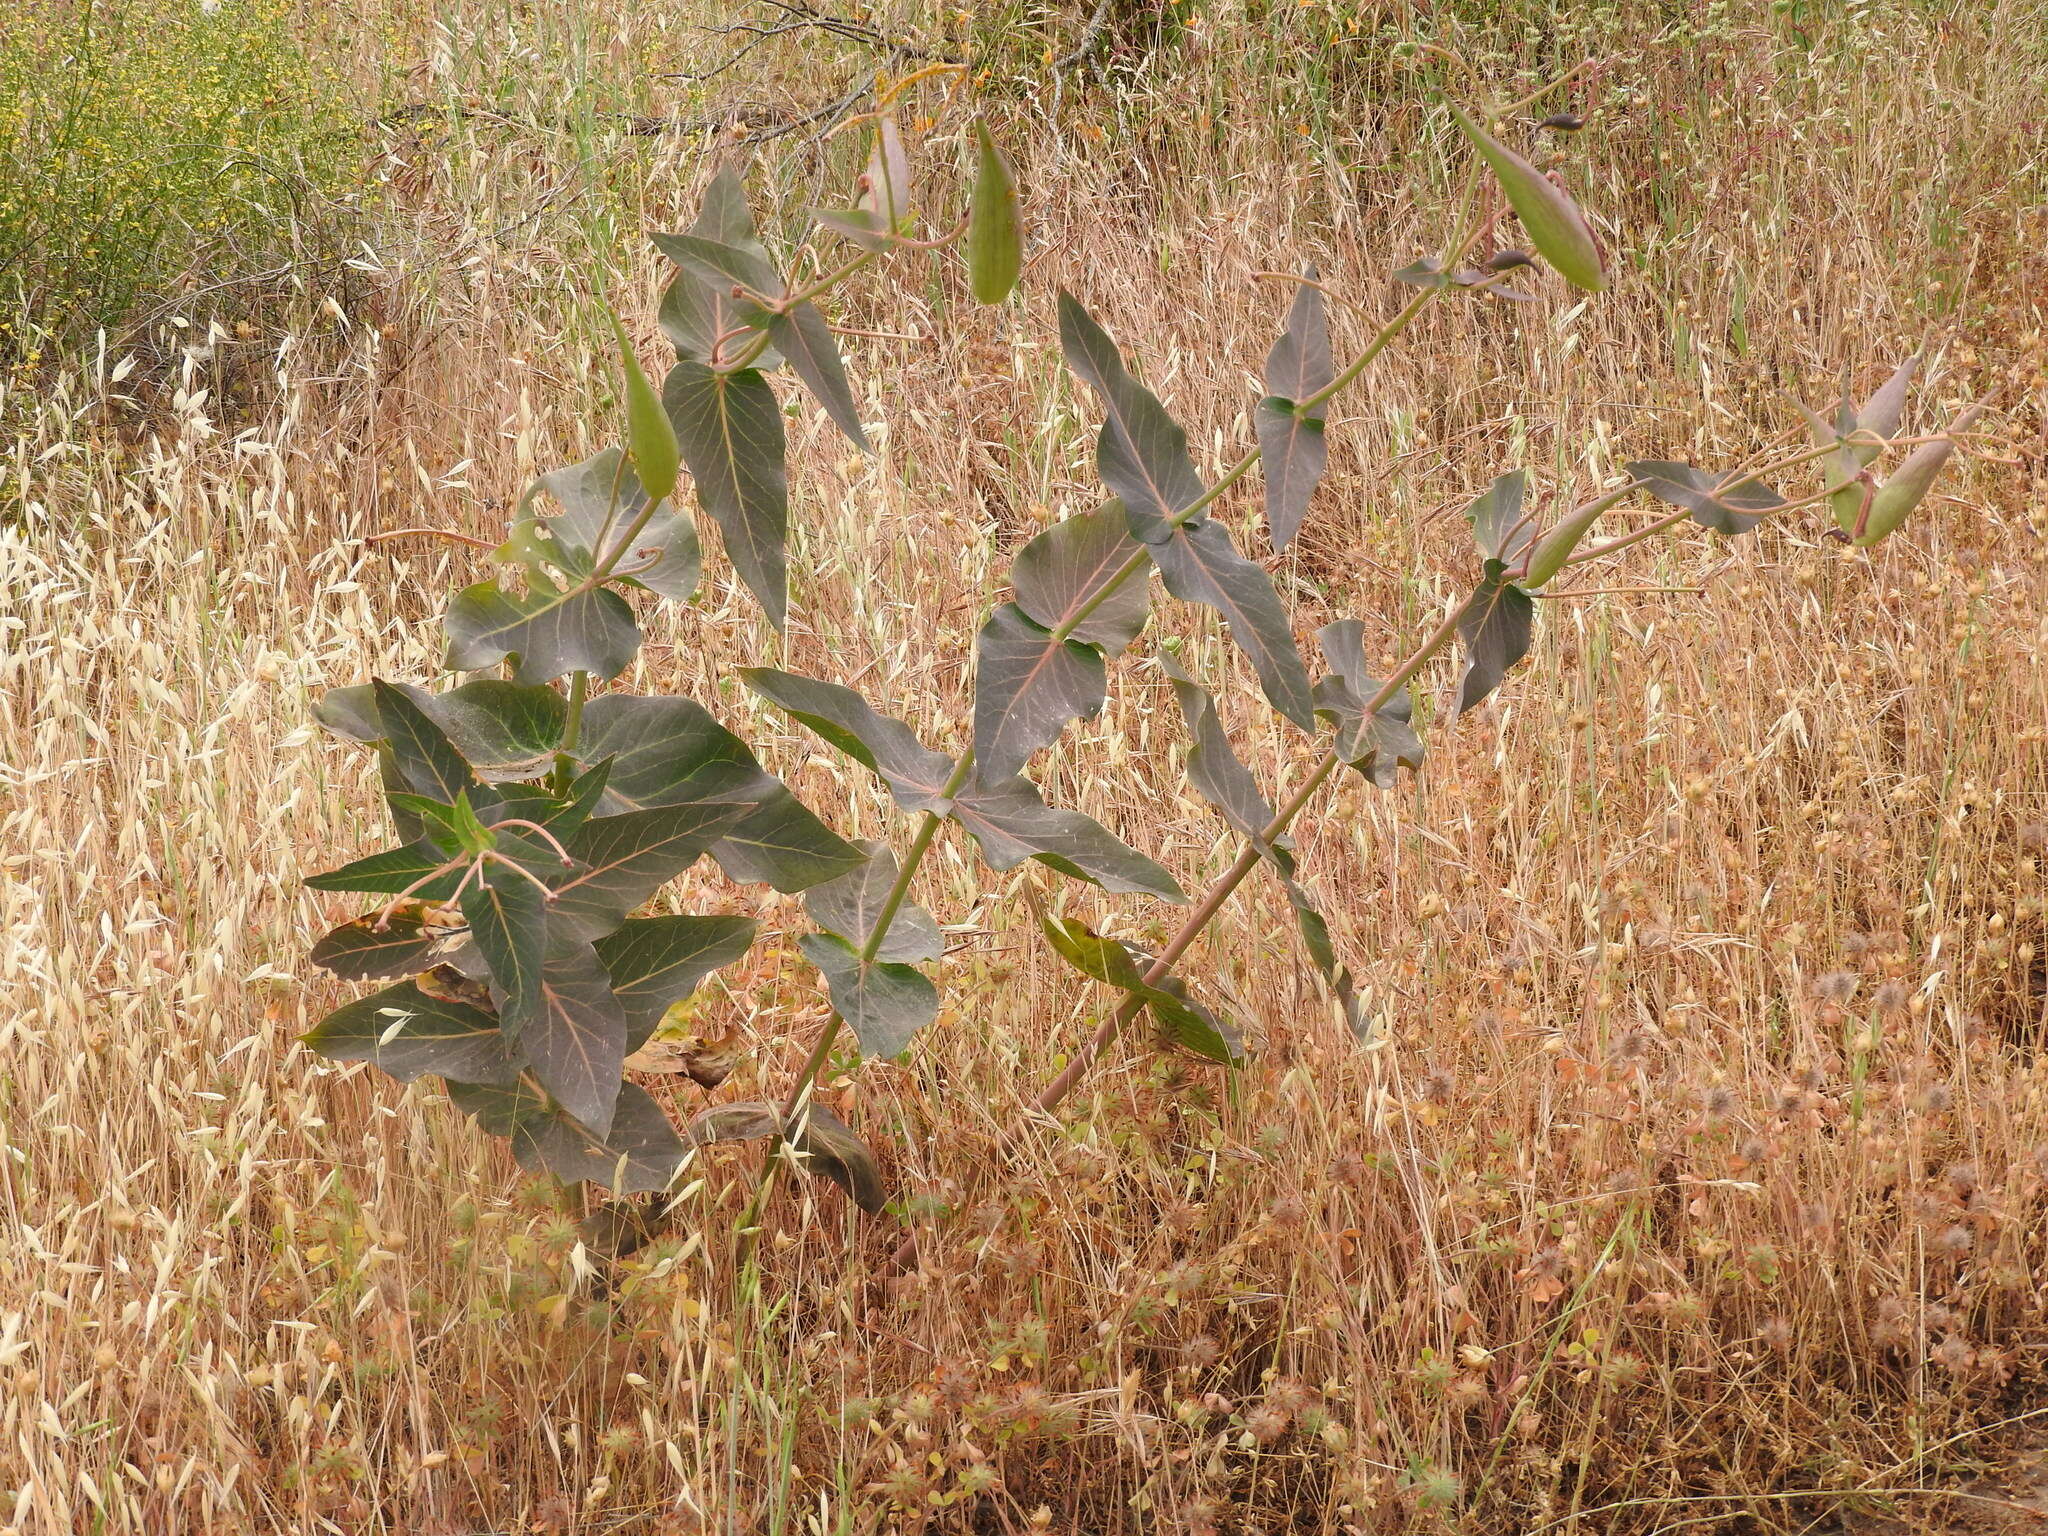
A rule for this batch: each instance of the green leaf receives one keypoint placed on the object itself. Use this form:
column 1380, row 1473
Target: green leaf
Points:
column 721, row 267
column 1027, row 686
column 575, row 1040
column 403, row 1031
column 915, row 775
column 1291, row 442
column 627, row 859
column 1142, row 455
column 885, row 1003
column 1215, row 770
column 1068, row 566
column 506, row 730
column 1191, row 1026
column 601, row 499
column 1495, row 627
column 1728, row 509
column 1551, row 551
column 552, row 630
column 640, row 1154
column 864, row 228
column 667, row 751
column 806, row 340
column 367, row 949
column 730, row 429
column 1012, row 823
column 1379, row 744
column 695, row 314
column 507, row 917
column 656, row 961
column 649, row 437
column 995, row 223
column 825, row 1143
column 1503, row 532
column 850, row 906
column 1107, row 960
column 830, row 1148
column 427, row 759
column 391, row 872
column 351, row 713
column 1201, row 565
column 1555, row 225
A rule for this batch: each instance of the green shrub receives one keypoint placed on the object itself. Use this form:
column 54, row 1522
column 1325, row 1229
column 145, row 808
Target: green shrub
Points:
column 149, row 144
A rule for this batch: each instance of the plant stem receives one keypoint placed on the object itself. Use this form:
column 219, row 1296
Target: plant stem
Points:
column 1205, row 911
column 807, row 1075
column 572, row 728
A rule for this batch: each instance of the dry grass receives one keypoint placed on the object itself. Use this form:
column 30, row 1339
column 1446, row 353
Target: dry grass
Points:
column 1699, row 1160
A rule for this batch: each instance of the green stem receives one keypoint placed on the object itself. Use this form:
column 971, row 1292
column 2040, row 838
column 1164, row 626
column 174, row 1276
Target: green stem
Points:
column 807, row 1075
column 572, row 727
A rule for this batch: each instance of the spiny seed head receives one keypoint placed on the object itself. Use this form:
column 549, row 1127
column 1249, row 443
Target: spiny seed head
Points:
column 1836, row 986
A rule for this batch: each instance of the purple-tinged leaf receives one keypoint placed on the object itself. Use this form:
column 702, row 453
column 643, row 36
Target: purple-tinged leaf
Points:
column 1731, row 508
column 885, row 1003
column 1201, row 565
column 851, row 905
column 1142, row 455
column 1072, row 564
column 1495, row 626
column 639, row 1154
column 1027, row 686
column 406, row 1032
column 731, row 433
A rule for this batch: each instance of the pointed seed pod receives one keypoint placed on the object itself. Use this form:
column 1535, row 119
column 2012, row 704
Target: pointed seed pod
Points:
column 1908, row 487
column 1563, row 122
column 1556, row 227
column 995, row 232
column 650, row 438
column 1556, row 546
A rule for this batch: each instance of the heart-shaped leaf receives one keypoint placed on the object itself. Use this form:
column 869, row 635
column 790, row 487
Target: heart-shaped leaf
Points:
column 601, row 499
column 694, row 313
column 406, row 1032
column 656, row 961
column 1503, row 531
column 553, row 630
column 886, row 1004
column 373, row 947
column 1141, row 455
column 1291, row 441
column 575, row 1039
column 1201, row 565
column 995, row 224
column 731, row 433
column 1027, row 686
column 640, row 1153
column 1378, row 744
column 915, row 774
column 1012, row 823
column 1215, row 770
column 1727, row 508
column 851, row 905
column 1495, row 627
column 1079, row 572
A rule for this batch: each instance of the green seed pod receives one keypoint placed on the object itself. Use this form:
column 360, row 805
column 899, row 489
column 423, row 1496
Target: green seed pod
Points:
column 650, row 438
column 1908, row 487
column 1556, row 546
column 995, row 237
column 1555, row 225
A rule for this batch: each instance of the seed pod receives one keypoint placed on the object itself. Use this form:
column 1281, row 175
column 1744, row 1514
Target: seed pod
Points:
column 1563, row 122
column 1556, row 546
column 995, row 239
column 1908, row 487
column 650, row 438
column 1555, row 225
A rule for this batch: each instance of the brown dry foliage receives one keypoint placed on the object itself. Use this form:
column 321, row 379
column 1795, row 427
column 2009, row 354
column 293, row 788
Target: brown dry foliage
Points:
column 1699, row 1161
